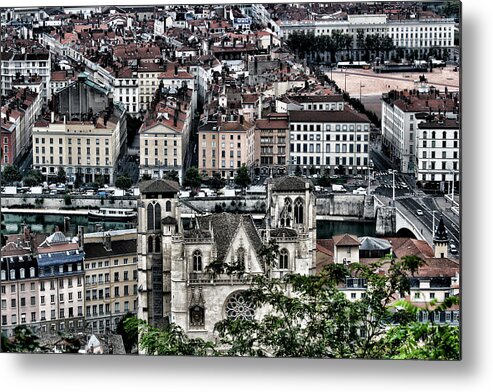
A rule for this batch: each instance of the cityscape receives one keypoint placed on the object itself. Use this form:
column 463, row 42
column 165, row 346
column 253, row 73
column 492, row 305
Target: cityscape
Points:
column 271, row 180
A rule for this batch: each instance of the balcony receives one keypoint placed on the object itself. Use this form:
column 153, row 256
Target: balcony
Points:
column 203, row 278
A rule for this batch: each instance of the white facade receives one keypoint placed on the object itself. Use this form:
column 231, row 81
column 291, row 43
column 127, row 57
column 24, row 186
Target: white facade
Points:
column 126, row 91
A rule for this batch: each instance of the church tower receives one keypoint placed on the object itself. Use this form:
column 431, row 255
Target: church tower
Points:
column 291, row 212
column 440, row 241
column 158, row 220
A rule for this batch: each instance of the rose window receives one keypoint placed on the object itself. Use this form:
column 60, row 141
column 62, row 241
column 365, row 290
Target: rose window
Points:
column 239, row 308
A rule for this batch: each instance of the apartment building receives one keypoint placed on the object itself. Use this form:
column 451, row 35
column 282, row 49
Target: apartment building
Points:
column 61, row 284
column 126, row 89
column 399, row 124
column 16, row 64
column 60, row 79
column 164, row 138
column 223, row 146
column 110, row 269
column 438, row 152
column 328, row 140
column 268, row 149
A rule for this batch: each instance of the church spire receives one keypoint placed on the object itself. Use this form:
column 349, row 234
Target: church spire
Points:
column 440, row 233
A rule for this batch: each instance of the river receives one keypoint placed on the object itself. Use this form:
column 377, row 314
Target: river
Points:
column 46, row 224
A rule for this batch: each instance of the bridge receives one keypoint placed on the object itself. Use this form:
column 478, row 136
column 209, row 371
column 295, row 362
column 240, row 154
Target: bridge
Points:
column 414, row 216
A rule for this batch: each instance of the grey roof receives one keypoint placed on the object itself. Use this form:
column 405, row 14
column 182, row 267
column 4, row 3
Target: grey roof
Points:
column 441, row 233
column 159, row 186
column 283, row 232
column 372, row 243
column 291, row 183
column 95, row 250
column 225, row 226
column 169, row 220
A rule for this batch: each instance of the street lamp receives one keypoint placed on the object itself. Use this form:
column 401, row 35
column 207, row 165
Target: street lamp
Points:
column 393, row 186
column 433, row 213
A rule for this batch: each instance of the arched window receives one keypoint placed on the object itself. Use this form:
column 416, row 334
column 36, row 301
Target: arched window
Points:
column 168, row 206
column 197, row 261
column 3, row 275
column 433, row 135
column 298, row 210
column 150, row 217
column 425, row 135
column 12, row 274
column 444, row 135
column 32, row 272
column 286, row 213
column 288, row 204
column 157, row 247
column 197, row 316
column 284, row 259
column 22, row 273
column 150, row 241
column 240, row 257
column 157, row 216
column 239, row 308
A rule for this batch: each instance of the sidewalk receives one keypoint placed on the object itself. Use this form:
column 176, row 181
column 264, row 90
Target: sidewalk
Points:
column 445, row 206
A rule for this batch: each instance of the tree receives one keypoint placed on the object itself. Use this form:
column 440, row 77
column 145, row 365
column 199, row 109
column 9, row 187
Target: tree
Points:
column 30, row 181
column 129, row 335
column 298, row 172
column 242, row 178
column 23, row 341
column 192, row 178
column 170, row 340
column 99, row 181
column 33, row 177
column 123, row 182
column 172, row 175
column 216, row 181
column 2, row 228
column 11, row 174
column 61, row 176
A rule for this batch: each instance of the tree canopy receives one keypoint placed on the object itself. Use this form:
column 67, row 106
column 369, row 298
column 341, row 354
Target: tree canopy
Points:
column 123, row 182
column 11, row 174
column 242, row 177
column 192, row 178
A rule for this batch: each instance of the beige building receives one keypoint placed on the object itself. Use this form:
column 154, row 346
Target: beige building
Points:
column 164, row 138
column 223, row 147
column 110, row 269
column 84, row 149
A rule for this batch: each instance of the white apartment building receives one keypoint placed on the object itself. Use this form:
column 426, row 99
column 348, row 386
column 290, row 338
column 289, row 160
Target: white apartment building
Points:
column 85, row 150
column 437, row 153
column 409, row 34
column 126, row 89
column 325, row 140
column 27, row 65
column 399, row 124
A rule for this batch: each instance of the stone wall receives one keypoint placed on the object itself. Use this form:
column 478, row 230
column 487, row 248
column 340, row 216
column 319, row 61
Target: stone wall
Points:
column 58, row 201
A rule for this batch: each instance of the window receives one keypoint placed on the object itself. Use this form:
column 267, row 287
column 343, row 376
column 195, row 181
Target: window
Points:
column 239, row 308
column 283, row 259
column 197, row 261
column 298, row 210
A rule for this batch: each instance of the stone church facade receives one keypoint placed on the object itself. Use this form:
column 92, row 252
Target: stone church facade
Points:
column 175, row 284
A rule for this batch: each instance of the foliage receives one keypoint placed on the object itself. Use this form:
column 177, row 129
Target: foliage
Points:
column 61, row 176
column 242, row 178
column 146, row 177
column 123, row 182
column 11, row 174
column 217, row 182
column 130, row 336
column 170, row 340
column 99, row 181
column 172, row 175
column 324, row 181
column 67, row 199
column 192, row 178
column 298, row 172
column 22, row 341
column 3, row 238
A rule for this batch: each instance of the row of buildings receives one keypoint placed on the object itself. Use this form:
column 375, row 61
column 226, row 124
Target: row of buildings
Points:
column 160, row 271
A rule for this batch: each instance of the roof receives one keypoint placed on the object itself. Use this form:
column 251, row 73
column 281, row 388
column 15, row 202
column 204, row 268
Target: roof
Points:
column 327, row 116
column 159, row 186
column 346, row 240
column 445, row 124
column 372, row 243
column 316, row 98
column 224, row 227
column 95, row 250
column 283, row 232
column 272, row 124
column 169, row 220
column 440, row 233
column 291, row 183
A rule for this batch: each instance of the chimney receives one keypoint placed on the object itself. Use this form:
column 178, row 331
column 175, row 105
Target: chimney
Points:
column 107, row 241
column 176, row 69
column 52, row 117
column 80, row 236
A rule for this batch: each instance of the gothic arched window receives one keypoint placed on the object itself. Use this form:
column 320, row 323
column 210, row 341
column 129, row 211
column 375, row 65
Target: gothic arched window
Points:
column 197, row 261
column 284, row 259
column 150, row 241
column 168, row 206
column 150, row 217
column 288, row 204
column 240, row 257
column 157, row 247
column 239, row 308
column 197, row 316
column 157, row 216
column 298, row 210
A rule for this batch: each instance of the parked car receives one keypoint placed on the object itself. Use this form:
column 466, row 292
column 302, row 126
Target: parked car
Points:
column 453, row 249
column 419, row 212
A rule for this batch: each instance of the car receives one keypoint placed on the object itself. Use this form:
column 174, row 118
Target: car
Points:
column 419, row 212
column 453, row 249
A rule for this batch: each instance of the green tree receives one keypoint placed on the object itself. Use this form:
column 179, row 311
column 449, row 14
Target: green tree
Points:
column 217, row 182
column 61, row 176
column 30, row 181
column 172, row 175
column 22, row 341
column 192, row 178
column 2, row 228
column 242, row 178
column 33, row 177
column 123, row 182
column 298, row 172
column 146, row 177
column 11, row 174
column 170, row 340
column 99, row 181
column 67, row 199
column 129, row 335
